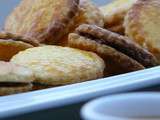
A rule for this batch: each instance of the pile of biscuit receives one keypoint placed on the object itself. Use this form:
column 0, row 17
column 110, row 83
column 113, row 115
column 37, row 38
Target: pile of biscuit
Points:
column 47, row 43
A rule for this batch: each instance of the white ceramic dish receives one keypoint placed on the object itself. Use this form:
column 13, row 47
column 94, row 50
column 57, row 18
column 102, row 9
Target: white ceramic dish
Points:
column 55, row 97
column 133, row 106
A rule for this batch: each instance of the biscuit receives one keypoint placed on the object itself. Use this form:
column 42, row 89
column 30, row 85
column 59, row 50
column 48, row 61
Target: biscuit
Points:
column 15, row 37
column 14, row 78
column 124, row 54
column 11, row 44
column 37, row 86
column 114, row 14
column 8, row 48
column 44, row 20
column 55, row 65
column 142, row 25
column 120, row 43
column 116, row 62
column 87, row 13
column 15, row 89
column 117, row 28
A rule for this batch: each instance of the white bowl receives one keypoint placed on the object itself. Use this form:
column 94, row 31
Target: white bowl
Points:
column 133, row 106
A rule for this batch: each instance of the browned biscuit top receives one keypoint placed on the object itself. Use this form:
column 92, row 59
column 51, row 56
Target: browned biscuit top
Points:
column 143, row 26
column 116, row 62
column 44, row 20
column 6, row 36
column 10, row 47
column 38, row 86
column 88, row 13
column 120, row 43
column 114, row 13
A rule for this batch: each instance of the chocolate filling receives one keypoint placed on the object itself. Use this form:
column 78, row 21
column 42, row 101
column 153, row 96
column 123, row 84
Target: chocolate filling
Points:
column 12, row 84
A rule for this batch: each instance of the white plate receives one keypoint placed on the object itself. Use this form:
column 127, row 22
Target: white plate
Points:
column 56, row 97
column 60, row 96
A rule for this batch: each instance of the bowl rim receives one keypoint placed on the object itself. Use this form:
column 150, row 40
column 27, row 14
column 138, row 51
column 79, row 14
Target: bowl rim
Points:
column 88, row 111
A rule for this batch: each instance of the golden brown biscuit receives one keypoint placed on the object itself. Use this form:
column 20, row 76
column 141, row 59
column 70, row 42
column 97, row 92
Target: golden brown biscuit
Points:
column 11, row 44
column 6, row 35
column 115, row 13
column 88, row 13
column 44, row 20
column 119, row 42
column 55, row 65
column 116, row 62
column 117, row 28
column 14, row 78
column 142, row 25
column 6, row 89
column 124, row 54
column 38, row 86
column 8, row 48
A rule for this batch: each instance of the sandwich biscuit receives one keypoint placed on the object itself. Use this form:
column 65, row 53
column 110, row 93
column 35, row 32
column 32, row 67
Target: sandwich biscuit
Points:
column 14, row 78
column 142, row 25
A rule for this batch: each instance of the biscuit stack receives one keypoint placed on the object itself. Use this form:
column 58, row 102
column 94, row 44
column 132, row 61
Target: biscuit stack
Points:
column 15, row 78
column 136, row 19
column 58, row 42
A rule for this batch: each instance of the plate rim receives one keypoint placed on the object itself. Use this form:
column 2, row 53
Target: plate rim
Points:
column 18, row 104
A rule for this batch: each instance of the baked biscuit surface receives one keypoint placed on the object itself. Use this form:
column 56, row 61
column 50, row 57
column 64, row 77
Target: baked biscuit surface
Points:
column 115, row 13
column 14, row 78
column 6, row 36
column 116, row 62
column 87, row 13
column 142, row 25
column 8, row 48
column 55, row 65
column 118, row 42
column 42, row 19
column 14, row 90
column 119, row 52
column 10, row 72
